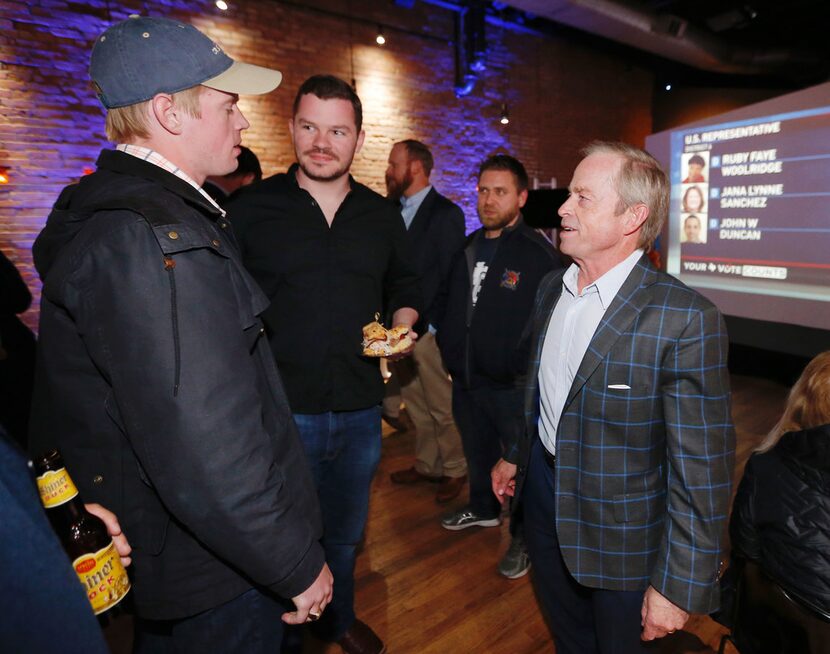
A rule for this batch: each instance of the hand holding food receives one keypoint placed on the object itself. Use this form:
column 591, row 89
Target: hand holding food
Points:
column 381, row 342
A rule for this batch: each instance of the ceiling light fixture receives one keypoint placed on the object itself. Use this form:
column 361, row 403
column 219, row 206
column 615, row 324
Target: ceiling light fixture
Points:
column 221, row 4
column 380, row 39
column 504, row 117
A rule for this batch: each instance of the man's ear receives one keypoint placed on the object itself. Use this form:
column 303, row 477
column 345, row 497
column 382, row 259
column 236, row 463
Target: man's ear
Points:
column 522, row 198
column 166, row 113
column 359, row 143
column 636, row 217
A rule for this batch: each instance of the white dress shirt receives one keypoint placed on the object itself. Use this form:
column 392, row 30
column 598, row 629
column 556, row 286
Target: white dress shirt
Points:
column 411, row 204
column 572, row 326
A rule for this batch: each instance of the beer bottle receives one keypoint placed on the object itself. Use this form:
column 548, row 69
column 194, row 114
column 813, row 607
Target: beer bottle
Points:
column 84, row 537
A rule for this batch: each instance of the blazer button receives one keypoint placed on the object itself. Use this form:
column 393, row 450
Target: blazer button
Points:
column 98, row 479
column 216, row 243
column 173, row 235
column 223, row 225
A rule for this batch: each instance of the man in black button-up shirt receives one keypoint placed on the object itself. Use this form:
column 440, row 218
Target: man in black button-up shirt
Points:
column 330, row 254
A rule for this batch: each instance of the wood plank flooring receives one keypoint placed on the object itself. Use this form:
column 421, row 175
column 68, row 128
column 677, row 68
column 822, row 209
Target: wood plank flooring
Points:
column 426, row 590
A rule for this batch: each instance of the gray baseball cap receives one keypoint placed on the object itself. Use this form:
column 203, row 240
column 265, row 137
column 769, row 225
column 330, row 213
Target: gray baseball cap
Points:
column 141, row 56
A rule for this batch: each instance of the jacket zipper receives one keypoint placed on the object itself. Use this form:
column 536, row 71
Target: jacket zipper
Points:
column 169, row 266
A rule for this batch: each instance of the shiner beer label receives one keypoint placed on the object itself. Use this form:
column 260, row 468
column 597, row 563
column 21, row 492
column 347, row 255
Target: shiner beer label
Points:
column 104, row 579
column 56, row 488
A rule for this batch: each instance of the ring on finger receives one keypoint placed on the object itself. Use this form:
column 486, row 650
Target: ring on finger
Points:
column 313, row 617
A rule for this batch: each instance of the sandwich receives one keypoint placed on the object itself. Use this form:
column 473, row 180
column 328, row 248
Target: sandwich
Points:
column 381, row 342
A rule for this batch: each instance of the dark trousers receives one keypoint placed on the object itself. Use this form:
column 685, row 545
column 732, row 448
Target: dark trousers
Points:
column 487, row 418
column 249, row 624
column 583, row 620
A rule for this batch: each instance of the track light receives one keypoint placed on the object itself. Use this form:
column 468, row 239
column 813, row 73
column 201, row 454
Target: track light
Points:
column 221, row 4
column 380, row 39
column 504, row 117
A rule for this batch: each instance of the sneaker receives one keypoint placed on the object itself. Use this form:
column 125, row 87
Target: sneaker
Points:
column 465, row 517
column 515, row 563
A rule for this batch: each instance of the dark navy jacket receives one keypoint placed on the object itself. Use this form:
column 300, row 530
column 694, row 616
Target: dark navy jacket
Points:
column 43, row 606
column 157, row 384
column 481, row 345
column 436, row 235
column 781, row 515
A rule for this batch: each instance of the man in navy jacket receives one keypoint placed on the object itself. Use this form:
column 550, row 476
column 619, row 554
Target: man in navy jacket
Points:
column 490, row 297
column 435, row 230
column 154, row 377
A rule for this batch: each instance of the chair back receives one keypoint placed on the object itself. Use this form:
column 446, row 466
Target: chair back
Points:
column 769, row 620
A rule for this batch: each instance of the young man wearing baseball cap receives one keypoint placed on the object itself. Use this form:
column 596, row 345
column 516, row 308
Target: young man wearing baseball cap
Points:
column 154, row 376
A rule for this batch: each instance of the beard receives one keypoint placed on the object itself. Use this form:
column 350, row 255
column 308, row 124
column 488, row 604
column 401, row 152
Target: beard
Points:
column 497, row 219
column 396, row 188
column 317, row 175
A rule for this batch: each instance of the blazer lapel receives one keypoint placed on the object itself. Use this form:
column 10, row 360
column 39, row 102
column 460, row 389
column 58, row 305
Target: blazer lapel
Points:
column 623, row 310
column 421, row 217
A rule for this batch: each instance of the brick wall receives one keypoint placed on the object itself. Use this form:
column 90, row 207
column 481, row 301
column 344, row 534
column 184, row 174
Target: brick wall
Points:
column 560, row 94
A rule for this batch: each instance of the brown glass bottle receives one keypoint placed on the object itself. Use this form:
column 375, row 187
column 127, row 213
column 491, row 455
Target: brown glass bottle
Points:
column 84, row 537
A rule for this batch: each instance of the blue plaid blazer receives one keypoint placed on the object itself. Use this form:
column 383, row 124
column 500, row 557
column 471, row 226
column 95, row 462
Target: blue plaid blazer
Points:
column 643, row 469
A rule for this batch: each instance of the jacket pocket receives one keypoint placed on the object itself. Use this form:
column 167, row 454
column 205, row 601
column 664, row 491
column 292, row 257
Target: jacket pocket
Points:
column 636, row 507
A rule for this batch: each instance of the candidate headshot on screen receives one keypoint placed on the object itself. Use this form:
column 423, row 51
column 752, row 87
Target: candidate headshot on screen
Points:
column 693, row 200
column 695, row 166
column 694, row 230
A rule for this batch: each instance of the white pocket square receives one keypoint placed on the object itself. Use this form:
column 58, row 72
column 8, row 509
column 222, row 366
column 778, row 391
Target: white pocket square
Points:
column 619, row 387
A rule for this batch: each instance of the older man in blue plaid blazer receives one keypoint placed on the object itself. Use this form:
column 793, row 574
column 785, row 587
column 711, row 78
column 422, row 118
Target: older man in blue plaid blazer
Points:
column 626, row 463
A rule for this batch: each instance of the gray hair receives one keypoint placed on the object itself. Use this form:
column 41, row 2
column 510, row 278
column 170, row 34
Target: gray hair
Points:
column 641, row 180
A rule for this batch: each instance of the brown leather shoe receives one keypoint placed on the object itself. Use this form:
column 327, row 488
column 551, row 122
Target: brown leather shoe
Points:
column 411, row 476
column 450, row 488
column 401, row 422
column 360, row 639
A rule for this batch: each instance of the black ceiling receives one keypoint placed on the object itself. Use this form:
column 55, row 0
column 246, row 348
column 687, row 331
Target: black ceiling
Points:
column 788, row 40
column 801, row 27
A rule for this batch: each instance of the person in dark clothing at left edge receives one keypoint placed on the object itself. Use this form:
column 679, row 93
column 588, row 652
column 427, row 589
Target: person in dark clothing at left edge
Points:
column 330, row 254
column 17, row 353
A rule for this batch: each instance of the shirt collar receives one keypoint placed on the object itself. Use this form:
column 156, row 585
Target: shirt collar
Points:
column 153, row 157
column 606, row 286
column 417, row 198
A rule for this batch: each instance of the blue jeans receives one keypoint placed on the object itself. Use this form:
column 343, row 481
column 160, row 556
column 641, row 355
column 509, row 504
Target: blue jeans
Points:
column 343, row 450
column 583, row 620
column 249, row 624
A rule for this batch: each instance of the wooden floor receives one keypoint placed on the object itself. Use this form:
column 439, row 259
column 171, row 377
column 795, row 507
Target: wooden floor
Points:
column 426, row 590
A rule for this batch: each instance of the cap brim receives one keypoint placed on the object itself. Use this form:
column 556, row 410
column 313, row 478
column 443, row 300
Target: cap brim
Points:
column 245, row 79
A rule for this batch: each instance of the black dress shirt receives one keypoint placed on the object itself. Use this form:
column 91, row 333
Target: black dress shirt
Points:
column 324, row 284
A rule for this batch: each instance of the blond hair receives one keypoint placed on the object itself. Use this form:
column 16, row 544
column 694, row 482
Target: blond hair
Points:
column 125, row 124
column 640, row 180
column 808, row 404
